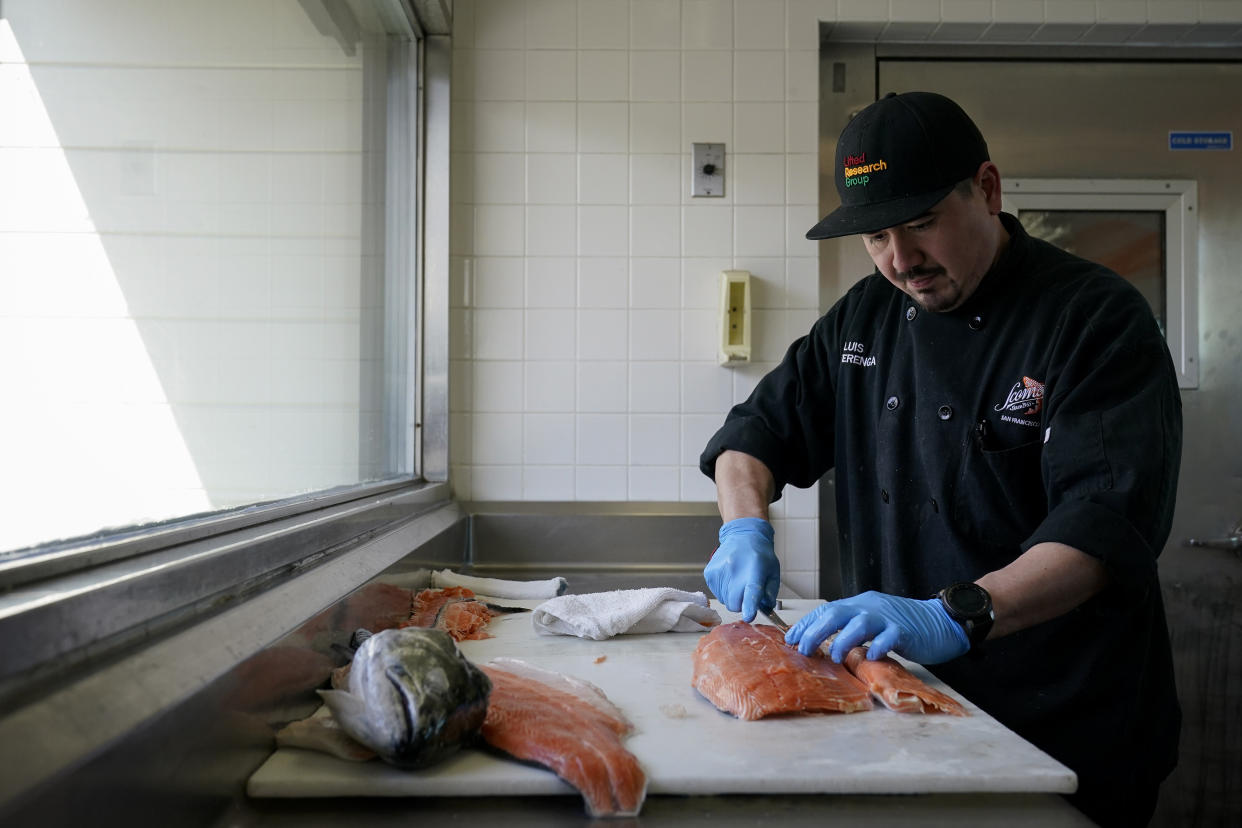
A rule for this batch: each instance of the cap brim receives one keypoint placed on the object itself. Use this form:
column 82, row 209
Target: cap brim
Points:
column 850, row 220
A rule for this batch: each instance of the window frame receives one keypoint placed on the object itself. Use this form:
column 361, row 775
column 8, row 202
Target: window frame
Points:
column 1178, row 199
column 138, row 581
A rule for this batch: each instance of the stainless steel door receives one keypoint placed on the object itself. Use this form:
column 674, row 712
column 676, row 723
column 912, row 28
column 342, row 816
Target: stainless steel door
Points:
column 1102, row 119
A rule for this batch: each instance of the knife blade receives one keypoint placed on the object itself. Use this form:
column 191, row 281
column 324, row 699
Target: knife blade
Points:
column 777, row 620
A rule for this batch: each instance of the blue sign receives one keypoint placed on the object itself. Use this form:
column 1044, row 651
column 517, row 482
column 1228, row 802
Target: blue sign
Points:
column 1200, row 140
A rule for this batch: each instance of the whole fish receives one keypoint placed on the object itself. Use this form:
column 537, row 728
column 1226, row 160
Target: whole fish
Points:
column 413, row 698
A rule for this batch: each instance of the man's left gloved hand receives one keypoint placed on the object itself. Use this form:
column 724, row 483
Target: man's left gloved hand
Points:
column 921, row 631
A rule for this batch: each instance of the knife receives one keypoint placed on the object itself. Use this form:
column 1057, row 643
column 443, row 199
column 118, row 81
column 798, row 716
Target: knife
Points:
column 777, row 620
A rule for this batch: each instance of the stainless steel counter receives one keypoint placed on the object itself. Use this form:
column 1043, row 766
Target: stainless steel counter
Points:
column 925, row 811
column 168, row 730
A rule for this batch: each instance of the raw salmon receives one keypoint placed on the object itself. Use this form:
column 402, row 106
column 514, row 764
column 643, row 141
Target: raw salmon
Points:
column 569, row 727
column 748, row 670
column 897, row 688
column 453, row 610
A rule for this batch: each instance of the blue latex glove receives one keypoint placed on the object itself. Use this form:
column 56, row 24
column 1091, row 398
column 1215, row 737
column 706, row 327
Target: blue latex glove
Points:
column 743, row 572
column 919, row 630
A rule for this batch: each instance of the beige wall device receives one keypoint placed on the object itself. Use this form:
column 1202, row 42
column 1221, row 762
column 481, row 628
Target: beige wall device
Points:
column 734, row 316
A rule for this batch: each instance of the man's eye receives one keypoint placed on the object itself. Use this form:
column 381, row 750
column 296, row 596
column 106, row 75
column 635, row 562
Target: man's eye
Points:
column 923, row 225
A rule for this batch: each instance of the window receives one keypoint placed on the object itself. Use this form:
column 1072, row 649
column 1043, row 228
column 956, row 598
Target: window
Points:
column 1145, row 230
column 208, row 284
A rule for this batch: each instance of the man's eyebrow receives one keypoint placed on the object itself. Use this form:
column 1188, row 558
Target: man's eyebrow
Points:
column 915, row 220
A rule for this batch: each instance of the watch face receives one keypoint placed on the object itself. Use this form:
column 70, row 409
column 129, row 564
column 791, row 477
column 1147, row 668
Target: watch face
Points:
column 968, row 599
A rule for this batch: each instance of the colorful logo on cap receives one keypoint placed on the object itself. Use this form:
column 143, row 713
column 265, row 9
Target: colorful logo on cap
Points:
column 858, row 169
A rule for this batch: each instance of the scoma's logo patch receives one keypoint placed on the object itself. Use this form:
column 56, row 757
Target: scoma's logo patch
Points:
column 1026, row 399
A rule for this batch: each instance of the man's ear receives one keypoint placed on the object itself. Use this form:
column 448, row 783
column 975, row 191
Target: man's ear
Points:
column 988, row 180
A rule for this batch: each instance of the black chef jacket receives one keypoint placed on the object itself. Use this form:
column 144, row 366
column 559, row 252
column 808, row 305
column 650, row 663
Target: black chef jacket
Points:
column 1045, row 408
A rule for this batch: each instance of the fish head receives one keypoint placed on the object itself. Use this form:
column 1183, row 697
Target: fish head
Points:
column 420, row 698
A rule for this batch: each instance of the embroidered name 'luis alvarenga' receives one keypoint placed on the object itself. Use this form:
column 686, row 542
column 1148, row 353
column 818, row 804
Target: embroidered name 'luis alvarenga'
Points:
column 853, row 354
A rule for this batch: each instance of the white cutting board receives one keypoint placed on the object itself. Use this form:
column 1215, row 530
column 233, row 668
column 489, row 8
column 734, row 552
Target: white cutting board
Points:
column 702, row 751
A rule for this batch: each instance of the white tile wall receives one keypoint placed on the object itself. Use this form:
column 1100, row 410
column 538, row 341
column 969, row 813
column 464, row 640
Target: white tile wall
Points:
column 602, row 282
column 551, row 24
column 497, row 386
column 655, row 179
column 655, row 387
column 603, row 24
column 602, row 334
column 549, row 229
column 603, row 75
column 655, row 283
column 600, row 483
column 589, row 337
column 550, row 282
column 602, row 439
column 550, row 386
column 654, row 76
column 658, row 483
column 498, row 282
column 545, row 439
column 655, row 231
column 551, row 76
column 602, row 387
column 603, row 178
column 654, row 439
column 603, row 230
column 655, row 24
column 551, row 178
column 549, row 127
column 549, row 333
column 548, row 483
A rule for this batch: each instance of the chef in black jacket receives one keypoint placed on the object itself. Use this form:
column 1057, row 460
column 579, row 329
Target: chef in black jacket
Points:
column 1005, row 425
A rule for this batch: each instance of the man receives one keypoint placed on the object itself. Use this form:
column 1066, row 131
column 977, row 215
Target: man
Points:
column 1005, row 425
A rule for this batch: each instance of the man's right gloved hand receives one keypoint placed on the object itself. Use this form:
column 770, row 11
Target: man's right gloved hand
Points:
column 743, row 572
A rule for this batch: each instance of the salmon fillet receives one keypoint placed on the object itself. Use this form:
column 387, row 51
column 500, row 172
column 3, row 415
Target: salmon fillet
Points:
column 748, row 670
column 897, row 688
column 569, row 727
column 453, row 610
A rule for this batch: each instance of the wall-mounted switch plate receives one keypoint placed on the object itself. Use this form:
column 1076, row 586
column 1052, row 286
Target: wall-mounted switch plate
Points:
column 707, row 170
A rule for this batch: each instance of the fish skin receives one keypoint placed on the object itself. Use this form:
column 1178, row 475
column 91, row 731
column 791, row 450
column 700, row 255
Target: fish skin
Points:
column 897, row 688
column 413, row 698
column 570, row 727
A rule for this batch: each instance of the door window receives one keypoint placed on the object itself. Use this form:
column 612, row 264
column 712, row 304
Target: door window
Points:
column 1146, row 231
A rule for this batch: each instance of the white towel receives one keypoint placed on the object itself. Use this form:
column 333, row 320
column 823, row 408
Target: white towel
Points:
column 499, row 588
column 600, row 615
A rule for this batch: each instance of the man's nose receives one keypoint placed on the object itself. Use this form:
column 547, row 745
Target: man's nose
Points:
column 906, row 255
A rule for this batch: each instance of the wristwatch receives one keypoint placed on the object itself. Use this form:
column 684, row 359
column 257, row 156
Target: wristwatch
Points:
column 971, row 606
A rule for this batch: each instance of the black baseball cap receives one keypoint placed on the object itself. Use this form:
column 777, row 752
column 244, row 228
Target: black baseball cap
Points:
column 897, row 159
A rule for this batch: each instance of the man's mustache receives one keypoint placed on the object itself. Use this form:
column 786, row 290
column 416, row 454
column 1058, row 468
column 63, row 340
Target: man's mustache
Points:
column 919, row 273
